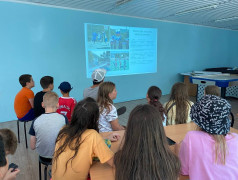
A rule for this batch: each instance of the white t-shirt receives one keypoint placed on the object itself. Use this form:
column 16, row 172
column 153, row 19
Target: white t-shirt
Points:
column 105, row 118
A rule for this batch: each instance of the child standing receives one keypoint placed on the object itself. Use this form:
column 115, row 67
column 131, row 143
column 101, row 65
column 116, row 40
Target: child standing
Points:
column 211, row 152
column 178, row 107
column 66, row 103
column 108, row 119
column 153, row 96
column 79, row 142
column 24, row 100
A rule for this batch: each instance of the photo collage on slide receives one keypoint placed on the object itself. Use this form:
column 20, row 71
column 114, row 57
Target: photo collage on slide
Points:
column 108, row 47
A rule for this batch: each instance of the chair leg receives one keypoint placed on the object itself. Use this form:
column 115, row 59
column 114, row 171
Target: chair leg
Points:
column 39, row 171
column 18, row 133
column 45, row 172
column 25, row 134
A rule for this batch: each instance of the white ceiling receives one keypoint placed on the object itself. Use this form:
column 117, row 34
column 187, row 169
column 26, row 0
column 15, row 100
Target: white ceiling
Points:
column 214, row 13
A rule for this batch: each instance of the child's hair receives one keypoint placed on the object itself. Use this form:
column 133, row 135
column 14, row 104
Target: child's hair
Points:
column 221, row 149
column 154, row 94
column 179, row 96
column 23, row 79
column 85, row 116
column 3, row 160
column 96, row 83
column 46, row 81
column 212, row 90
column 9, row 140
column 103, row 95
column 50, row 100
column 145, row 153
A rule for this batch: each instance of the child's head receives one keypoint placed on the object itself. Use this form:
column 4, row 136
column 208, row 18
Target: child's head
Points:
column 50, row 100
column 145, row 137
column 212, row 90
column 65, row 87
column 106, row 92
column 26, row 80
column 179, row 92
column 98, row 76
column 9, row 140
column 47, row 82
column 85, row 115
column 153, row 94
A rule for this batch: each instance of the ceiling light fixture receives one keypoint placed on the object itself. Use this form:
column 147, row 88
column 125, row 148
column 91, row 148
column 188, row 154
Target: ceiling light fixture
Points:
column 194, row 10
column 120, row 2
column 227, row 19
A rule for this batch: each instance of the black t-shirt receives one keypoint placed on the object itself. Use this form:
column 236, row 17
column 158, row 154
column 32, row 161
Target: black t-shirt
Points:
column 38, row 109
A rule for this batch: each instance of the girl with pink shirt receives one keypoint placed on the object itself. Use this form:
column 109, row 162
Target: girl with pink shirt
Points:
column 211, row 152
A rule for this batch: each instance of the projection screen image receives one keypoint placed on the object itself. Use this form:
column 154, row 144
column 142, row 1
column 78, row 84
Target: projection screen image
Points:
column 120, row 50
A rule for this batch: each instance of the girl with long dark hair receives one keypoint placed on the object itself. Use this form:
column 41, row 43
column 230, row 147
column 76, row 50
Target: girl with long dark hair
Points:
column 145, row 153
column 78, row 142
column 153, row 97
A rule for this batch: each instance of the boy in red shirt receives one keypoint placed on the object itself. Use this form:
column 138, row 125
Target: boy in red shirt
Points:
column 66, row 103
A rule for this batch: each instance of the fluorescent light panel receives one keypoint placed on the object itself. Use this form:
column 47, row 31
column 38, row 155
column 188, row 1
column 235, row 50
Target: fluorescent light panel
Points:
column 196, row 10
column 227, row 19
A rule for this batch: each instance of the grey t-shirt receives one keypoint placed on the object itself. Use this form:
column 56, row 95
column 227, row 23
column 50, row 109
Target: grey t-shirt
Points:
column 46, row 128
column 91, row 92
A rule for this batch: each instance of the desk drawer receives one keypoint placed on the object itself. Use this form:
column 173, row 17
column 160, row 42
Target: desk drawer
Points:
column 203, row 82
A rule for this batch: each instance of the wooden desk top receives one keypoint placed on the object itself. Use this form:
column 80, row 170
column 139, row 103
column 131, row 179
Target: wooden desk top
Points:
column 100, row 171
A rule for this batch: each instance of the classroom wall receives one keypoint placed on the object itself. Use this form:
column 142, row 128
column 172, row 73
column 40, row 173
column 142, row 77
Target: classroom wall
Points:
column 43, row 41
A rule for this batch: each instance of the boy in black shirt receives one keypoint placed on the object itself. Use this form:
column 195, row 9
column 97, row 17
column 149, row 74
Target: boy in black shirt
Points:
column 47, row 83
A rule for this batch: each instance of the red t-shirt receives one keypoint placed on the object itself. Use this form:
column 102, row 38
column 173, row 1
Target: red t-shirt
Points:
column 66, row 106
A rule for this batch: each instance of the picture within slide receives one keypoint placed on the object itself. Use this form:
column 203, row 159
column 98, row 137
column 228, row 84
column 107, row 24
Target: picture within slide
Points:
column 120, row 50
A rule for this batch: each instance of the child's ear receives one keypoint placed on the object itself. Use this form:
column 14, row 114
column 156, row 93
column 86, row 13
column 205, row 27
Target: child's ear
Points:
column 42, row 104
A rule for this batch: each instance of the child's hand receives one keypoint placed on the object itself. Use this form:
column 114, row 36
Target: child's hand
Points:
column 113, row 137
column 11, row 175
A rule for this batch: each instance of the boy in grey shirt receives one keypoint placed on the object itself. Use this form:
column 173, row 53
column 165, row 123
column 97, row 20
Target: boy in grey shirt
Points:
column 98, row 76
column 45, row 128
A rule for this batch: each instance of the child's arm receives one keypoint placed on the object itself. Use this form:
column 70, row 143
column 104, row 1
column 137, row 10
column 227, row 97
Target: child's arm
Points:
column 116, row 126
column 11, row 175
column 110, row 162
column 31, row 102
column 33, row 142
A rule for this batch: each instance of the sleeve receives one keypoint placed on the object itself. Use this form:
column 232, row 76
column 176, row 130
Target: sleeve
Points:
column 32, row 131
column 66, row 119
column 30, row 94
column 72, row 106
column 112, row 115
column 184, row 156
column 101, row 150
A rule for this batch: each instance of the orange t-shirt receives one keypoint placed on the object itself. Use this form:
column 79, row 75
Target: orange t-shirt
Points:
column 92, row 145
column 22, row 104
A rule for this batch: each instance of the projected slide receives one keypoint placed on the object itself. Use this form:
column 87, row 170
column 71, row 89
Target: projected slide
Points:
column 120, row 50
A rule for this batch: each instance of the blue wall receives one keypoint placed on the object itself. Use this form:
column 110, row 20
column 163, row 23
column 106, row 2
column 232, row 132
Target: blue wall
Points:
column 50, row 41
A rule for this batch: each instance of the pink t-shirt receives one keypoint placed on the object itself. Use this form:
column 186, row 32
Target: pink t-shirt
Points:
column 197, row 155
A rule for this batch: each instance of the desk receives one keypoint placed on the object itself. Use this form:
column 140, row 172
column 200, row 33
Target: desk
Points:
column 221, row 80
column 177, row 133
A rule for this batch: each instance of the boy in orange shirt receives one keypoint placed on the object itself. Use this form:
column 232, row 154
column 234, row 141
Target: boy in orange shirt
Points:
column 24, row 100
